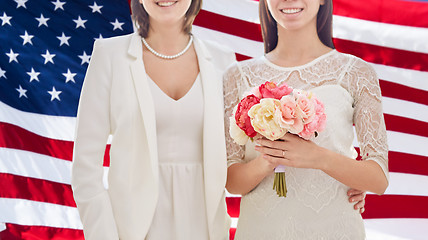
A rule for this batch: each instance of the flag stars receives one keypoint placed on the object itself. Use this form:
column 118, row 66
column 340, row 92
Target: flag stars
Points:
column 80, row 22
column 117, row 25
column 64, row 39
column 95, row 8
column 85, row 58
column 2, row 73
column 69, row 76
column 55, row 94
column 12, row 56
column 48, row 57
column 27, row 38
column 5, row 19
column 42, row 20
column 21, row 3
column 99, row 37
column 22, row 92
column 33, row 75
column 58, row 5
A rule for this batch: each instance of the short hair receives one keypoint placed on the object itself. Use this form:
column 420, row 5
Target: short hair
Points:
column 141, row 17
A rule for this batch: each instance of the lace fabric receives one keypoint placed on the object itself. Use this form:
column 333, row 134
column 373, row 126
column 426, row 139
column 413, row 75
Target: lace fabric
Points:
column 350, row 91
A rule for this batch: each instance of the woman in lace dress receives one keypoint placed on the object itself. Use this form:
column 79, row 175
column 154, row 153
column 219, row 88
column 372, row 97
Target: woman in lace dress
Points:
column 300, row 52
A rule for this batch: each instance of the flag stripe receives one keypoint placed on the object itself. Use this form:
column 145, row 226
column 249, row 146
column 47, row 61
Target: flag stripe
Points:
column 41, row 190
column 31, row 142
column 384, row 55
column 36, row 190
column 15, row 231
column 399, row 91
column 405, row 125
column 391, row 11
column 377, row 206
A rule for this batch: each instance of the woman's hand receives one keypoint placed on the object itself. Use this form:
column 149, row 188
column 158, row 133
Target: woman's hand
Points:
column 291, row 150
column 358, row 197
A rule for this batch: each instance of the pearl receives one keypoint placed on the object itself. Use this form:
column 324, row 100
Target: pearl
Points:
column 168, row 56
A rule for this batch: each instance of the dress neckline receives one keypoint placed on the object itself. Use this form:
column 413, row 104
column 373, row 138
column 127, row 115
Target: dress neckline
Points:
column 312, row 62
column 195, row 82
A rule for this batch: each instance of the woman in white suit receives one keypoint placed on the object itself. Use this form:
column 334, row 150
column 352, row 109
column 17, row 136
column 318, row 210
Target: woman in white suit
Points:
column 164, row 111
column 158, row 94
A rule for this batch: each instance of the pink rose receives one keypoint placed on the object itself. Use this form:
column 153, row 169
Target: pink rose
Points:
column 271, row 90
column 317, row 124
column 306, row 106
column 241, row 116
column 288, row 116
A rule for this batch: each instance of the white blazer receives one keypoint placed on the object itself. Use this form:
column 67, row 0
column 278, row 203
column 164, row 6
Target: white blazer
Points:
column 116, row 100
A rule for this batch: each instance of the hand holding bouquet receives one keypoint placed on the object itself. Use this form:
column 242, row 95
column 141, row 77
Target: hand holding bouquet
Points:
column 272, row 111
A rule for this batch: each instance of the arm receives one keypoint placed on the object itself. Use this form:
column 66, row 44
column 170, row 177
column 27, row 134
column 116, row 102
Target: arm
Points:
column 242, row 175
column 371, row 174
column 92, row 131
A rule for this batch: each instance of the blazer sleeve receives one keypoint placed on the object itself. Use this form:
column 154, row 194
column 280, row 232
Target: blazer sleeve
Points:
column 92, row 131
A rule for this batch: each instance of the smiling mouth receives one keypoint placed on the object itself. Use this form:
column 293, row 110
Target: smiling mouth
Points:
column 291, row 10
column 166, row 4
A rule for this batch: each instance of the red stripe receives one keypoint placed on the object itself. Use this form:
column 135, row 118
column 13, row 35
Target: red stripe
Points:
column 20, row 232
column 408, row 13
column 395, row 206
column 241, row 57
column 19, row 138
column 384, row 55
column 386, row 206
column 398, row 91
column 229, row 25
column 408, row 163
column 233, row 204
column 406, row 125
column 36, row 190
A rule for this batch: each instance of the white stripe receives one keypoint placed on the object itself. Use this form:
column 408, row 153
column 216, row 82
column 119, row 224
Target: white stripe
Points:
column 407, row 184
column 54, row 127
column 234, row 223
column 26, row 212
column 407, row 143
column 237, row 44
column 407, row 77
column 396, row 228
column 246, row 10
column 381, row 34
column 33, row 165
column 405, row 109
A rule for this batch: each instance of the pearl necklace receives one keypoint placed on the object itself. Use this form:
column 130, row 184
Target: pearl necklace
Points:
column 168, row 56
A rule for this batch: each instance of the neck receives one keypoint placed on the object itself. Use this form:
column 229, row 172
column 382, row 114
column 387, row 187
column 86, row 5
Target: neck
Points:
column 297, row 47
column 168, row 40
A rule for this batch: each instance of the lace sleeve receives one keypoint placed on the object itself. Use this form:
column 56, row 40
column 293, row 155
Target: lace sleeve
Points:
column 368, row 115
column 235, row 152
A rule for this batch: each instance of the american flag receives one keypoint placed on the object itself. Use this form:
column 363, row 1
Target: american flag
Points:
column 45, row 47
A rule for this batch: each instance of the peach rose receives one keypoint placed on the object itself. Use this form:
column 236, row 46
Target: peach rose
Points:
column 289, row 117
column 262, row 117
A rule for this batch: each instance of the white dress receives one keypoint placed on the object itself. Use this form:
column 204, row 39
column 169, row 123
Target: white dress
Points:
column 316, row 206
column 180, row 213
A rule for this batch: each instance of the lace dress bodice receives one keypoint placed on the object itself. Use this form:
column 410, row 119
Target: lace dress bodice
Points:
column 316, row 206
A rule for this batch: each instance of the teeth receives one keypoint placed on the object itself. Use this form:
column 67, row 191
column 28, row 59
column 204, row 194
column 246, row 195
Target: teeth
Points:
column 165, row 4
column 293, row 10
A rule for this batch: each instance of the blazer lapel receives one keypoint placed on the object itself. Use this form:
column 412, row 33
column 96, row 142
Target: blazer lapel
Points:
column 213, row 133
column 145, row 99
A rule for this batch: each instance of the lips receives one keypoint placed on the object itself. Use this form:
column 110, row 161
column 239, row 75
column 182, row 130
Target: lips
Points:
column 166, row 3
column 291, row 10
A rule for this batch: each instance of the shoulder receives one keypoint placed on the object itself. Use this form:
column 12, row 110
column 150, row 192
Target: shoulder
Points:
column 358, row 65
column 114, row 44
column 222, row 56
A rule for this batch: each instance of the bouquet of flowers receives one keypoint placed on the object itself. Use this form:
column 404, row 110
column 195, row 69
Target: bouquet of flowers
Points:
column 273, row 111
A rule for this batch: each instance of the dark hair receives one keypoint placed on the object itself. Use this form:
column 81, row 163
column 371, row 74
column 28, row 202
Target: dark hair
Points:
column 270, row 29
column 141, row 17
